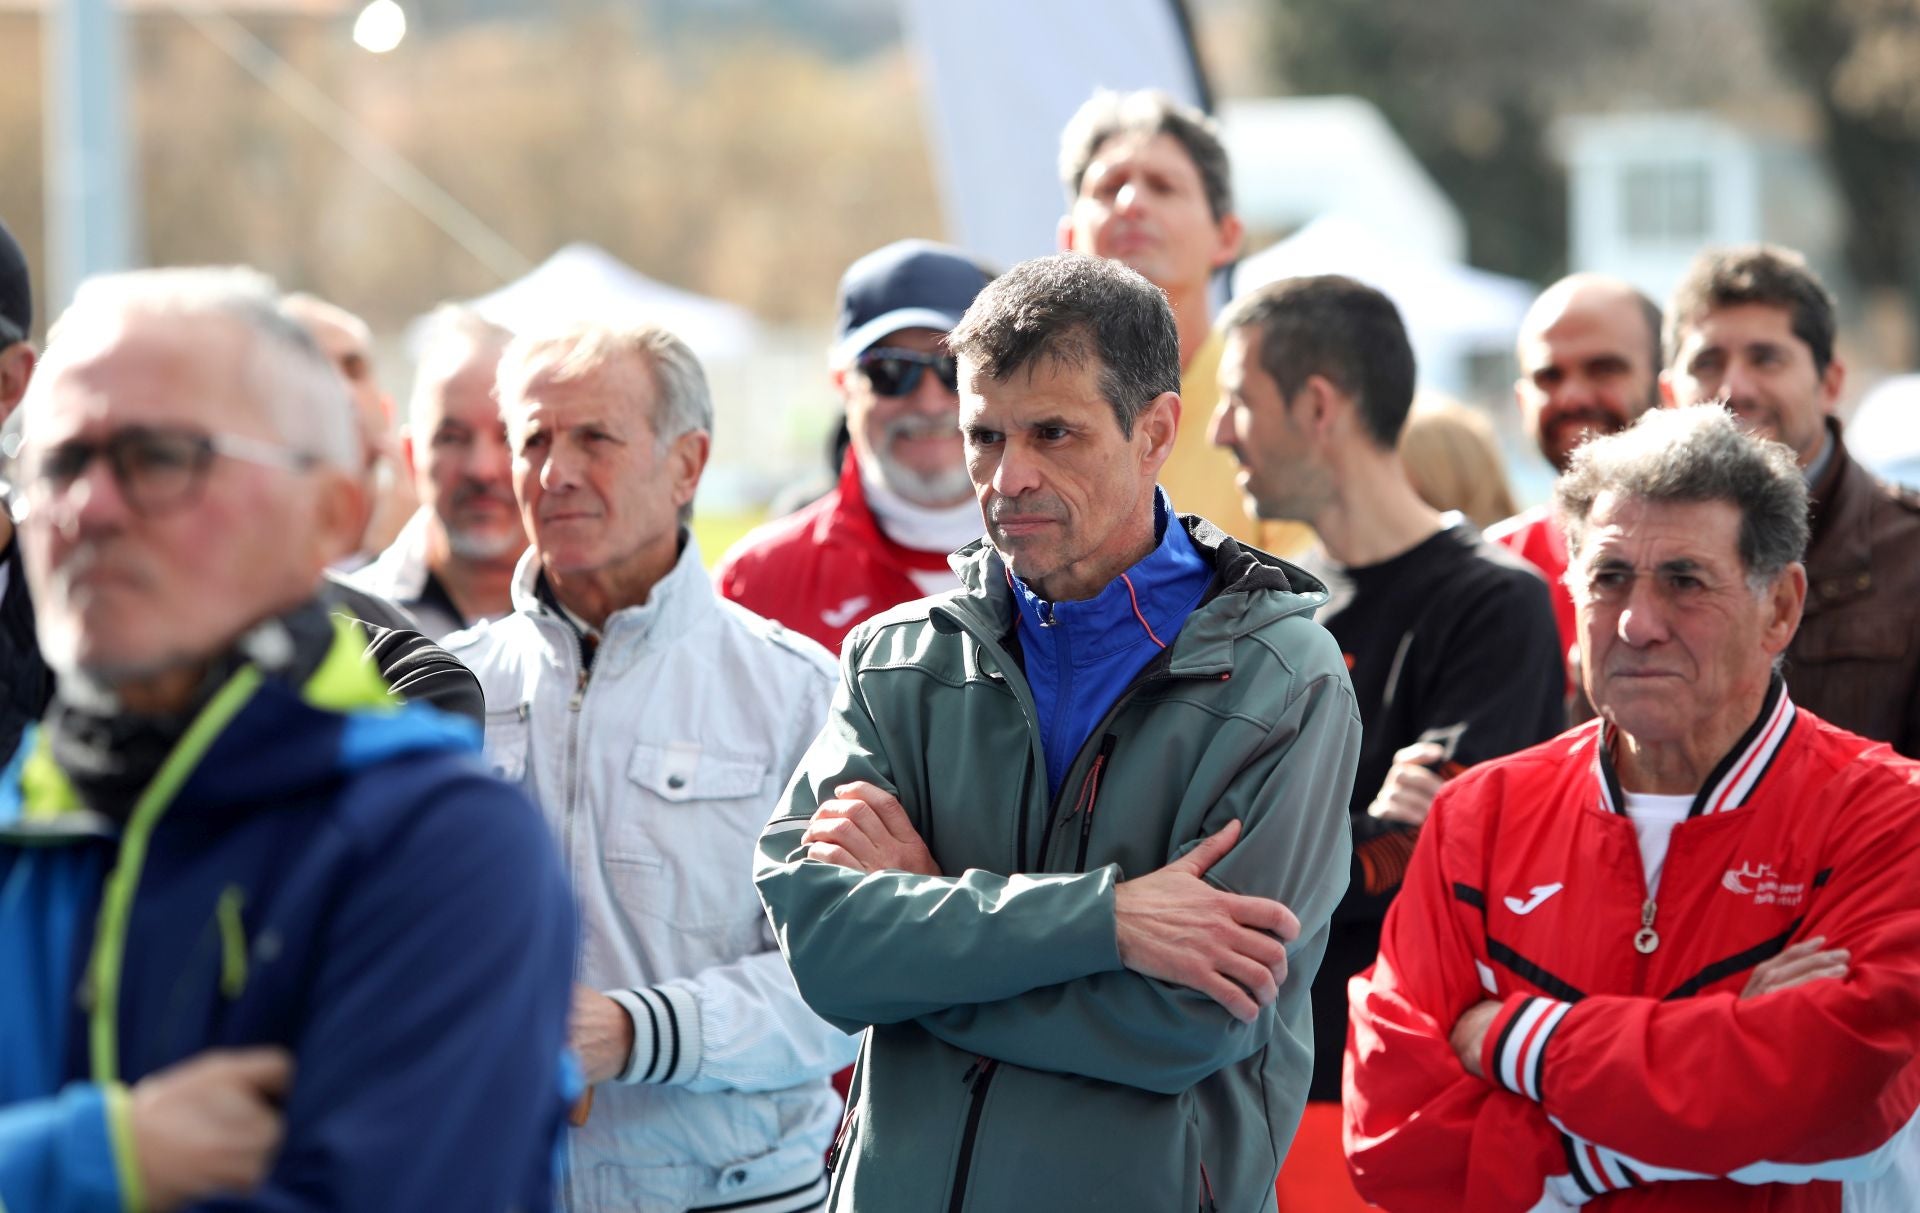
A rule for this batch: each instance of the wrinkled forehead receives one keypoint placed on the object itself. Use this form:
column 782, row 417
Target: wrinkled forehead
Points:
column 146, row 369
column 1646, row 533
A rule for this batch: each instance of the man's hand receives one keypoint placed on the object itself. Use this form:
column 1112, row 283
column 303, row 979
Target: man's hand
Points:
column 1470, row 1034
column 208, row 1125
column 864, row 828
column 1797, row 965
column 1411, row 784
column 600, row 1033
column 1174, row 926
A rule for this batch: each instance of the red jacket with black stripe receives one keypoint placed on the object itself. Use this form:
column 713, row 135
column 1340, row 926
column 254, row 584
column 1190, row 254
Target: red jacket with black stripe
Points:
column 1641, row 1077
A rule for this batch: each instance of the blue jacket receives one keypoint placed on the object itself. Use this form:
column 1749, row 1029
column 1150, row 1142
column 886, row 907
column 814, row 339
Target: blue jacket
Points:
column 319, row 869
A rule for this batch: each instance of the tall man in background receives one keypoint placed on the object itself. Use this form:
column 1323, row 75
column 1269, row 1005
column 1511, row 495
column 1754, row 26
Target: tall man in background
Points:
column 1148, row 185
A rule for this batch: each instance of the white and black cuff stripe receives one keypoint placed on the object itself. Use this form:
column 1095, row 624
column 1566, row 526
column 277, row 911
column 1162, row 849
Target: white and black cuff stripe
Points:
column 1596, row 1170
column 1520, row 1054
column 666, row 1034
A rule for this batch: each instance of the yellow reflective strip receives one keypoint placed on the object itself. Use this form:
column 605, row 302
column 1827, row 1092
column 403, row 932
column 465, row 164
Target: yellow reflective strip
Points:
column 45, row 790
column 346, row 678
column 126, row 1165
column 233, row 942
column 116, row 901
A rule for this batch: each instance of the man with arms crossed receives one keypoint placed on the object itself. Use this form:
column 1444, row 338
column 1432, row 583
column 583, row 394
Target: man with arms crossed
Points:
column 1043, row 846
column 1670, row 958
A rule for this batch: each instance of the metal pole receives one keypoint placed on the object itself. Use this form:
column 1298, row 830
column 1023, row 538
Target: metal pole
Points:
column 89, row 227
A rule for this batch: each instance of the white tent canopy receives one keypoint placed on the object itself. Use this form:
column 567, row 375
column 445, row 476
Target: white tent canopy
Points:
column 1450, row 310
column 584, row 283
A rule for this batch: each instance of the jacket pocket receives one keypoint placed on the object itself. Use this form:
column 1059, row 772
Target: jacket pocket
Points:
column 505, row 745
column 682, row 851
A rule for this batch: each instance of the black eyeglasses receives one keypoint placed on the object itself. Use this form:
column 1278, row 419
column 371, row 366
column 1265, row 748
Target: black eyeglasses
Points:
column 157, row 468
column 897, row 372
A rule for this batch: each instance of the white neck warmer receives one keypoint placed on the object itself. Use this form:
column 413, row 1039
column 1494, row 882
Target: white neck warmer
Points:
column 922, row 528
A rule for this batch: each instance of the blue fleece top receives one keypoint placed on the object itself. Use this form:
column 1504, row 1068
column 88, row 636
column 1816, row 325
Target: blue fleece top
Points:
column 1079, row 656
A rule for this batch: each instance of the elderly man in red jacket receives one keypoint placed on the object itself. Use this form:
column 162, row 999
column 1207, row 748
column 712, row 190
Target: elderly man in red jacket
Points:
column 1670, row 958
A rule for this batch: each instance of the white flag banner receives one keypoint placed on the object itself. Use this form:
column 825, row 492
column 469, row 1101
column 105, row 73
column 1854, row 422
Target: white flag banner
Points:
column 1000, row 78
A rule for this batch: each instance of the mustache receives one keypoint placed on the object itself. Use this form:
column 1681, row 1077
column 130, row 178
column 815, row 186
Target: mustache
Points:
column 922, row 427
column 470, row 491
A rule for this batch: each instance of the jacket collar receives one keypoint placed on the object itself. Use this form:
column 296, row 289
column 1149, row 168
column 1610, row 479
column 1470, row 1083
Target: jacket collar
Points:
column 677, row 601
column 1250, row 589
column 851, row 523
column 1733, row 779
column 401, row 571
column 1840, row 550
column 1152, row 598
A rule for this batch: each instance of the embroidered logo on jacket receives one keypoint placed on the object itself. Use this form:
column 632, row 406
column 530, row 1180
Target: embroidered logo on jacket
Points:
column 1760, row 882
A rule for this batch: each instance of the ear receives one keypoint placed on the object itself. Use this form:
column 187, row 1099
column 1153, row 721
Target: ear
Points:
column 342, row 510
column 1668, row 397
column 1319, row 408
column 1063, row 233
column 1831, row 383
column 1228, row 234
column 1789, row 599
column 16, row 369
column 686, row 460
column 1157, row 426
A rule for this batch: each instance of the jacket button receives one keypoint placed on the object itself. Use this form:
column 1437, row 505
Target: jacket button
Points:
column 676, row 782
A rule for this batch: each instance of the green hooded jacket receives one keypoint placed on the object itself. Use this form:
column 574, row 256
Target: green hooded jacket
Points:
column 1013, row 1062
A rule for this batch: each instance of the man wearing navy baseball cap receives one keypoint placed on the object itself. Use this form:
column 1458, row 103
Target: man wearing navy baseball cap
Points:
column 904, row 501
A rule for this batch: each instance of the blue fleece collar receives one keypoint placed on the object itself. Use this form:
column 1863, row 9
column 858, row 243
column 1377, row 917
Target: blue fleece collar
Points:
column 1148, row 602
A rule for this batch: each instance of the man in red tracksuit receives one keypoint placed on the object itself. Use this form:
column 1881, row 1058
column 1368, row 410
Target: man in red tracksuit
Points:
column 1669, row 960
column 904, row 501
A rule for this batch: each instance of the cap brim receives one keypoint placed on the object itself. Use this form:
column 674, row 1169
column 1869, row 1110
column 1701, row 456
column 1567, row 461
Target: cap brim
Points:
column 861, row 339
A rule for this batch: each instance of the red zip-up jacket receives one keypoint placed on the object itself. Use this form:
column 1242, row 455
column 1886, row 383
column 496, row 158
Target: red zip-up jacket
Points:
column 1643, row 1078
column 825, row 567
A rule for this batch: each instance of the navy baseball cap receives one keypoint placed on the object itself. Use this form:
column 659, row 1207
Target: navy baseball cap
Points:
column 16, row 292
column 909, row 284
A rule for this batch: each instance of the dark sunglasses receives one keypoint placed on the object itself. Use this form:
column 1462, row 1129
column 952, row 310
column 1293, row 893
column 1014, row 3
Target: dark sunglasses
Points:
column 157, row 468
column 897, row 372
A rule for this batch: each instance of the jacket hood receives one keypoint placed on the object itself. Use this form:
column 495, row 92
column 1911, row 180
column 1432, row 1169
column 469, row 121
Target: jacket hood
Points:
column 1250, row 590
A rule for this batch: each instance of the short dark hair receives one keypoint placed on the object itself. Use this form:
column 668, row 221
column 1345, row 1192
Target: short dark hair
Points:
column 1147, row 112
column 1072, row 307
column 1754, row 273
column 1342, row 330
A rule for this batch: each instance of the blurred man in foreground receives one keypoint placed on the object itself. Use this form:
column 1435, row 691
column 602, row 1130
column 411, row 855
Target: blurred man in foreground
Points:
column 1670, row 958
column 226, row 834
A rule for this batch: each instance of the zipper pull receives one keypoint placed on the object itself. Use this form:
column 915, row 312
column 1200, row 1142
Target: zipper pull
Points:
column 1046, row 614
column 1646, row 939
column 579, row 690
column 978, row 1071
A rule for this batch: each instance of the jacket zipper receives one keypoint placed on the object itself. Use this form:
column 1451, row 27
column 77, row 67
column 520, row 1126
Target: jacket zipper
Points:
column 979, row 1076
column 840, row 1136
column 573, row 779
column 1092, row 797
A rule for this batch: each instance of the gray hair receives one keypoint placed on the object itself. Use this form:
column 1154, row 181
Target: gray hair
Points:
column 682, row 401
column 301, row 393
column 449, row 337
column 1072, row 308
column 1695, row 454
column 1146, row 112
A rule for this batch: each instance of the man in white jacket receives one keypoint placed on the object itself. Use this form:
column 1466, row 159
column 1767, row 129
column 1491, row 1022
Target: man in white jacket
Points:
column 656, row 726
